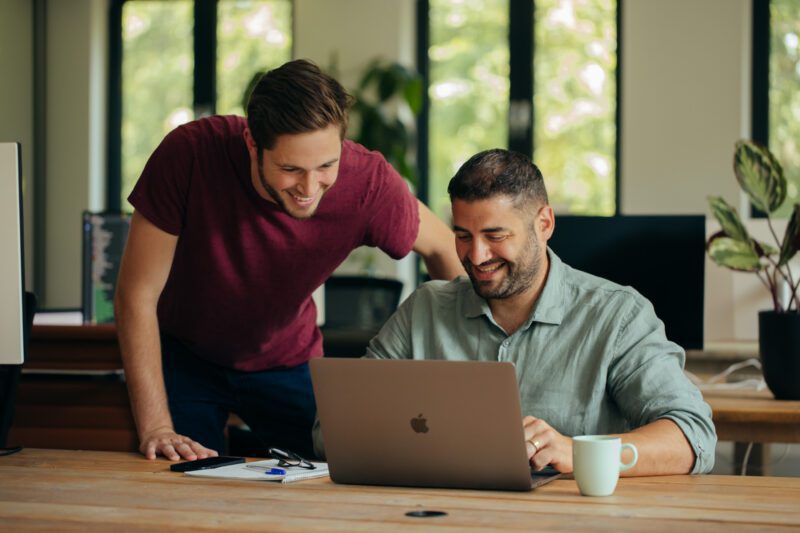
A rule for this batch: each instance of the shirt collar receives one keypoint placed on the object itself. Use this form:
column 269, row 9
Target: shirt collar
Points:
column 549, row 309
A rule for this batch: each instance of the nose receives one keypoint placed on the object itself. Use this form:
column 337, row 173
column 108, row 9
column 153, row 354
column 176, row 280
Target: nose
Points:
column 308, row 185
column 479, row 252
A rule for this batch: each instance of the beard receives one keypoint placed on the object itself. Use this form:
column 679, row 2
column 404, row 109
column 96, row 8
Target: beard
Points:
column 519, row 273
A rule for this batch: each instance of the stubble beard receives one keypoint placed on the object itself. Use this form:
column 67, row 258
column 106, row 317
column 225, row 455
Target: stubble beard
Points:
column 519, row 275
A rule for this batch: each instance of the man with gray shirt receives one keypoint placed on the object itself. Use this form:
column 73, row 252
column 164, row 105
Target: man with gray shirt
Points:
column 591, row 356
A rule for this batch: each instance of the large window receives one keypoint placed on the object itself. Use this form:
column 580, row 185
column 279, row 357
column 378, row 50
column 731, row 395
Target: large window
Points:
column 566, row 118
column 172, row 53
column 784, row 94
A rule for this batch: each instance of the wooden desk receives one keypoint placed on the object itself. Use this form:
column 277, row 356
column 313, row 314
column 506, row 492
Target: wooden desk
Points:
column 58, row 490
column 754, row 416
column 71, row 394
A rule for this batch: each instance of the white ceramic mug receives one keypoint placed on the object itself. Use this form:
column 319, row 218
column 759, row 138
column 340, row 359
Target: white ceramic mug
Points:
column 597, row 462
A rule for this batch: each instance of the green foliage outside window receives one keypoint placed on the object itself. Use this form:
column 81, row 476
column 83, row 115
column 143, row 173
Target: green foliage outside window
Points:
column 250, row 36
column 784, row 96
column 158, row 63
column 156, row 79
column 574, row 98
column 574, row 103
column 468, row 87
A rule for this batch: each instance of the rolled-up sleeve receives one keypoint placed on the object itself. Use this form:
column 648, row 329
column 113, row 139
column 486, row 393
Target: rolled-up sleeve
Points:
column 647, row 382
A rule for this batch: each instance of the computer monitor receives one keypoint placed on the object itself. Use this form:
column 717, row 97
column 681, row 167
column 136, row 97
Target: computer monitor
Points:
column 13, row 324
column 12, row 283
column 104, row 237
column 661, row 256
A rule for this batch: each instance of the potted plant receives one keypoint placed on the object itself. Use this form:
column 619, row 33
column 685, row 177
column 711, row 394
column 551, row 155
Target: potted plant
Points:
column 761, row 177
column 387, row 101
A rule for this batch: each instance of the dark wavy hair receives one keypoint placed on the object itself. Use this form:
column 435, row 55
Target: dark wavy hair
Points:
column 296, row 97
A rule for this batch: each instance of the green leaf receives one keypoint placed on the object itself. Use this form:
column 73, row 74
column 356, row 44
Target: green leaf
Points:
column 760, row 175
column 764, row 249
column 413, row 95
column 728, row 218
column 733, row 254
column 791, row 239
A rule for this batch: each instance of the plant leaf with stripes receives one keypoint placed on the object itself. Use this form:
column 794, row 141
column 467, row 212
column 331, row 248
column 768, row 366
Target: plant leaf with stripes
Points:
column 733, row 254
column 760, row 175
column 791, row 239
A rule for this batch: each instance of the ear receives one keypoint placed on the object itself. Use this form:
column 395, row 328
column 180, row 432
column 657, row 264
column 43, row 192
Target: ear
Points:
column 251, row 144
column 546, row 222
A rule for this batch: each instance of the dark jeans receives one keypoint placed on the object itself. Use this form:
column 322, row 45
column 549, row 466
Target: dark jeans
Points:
column 278, row 405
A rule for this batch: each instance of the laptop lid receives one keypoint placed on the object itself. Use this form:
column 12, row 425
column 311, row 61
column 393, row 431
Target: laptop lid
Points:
column 453, row 424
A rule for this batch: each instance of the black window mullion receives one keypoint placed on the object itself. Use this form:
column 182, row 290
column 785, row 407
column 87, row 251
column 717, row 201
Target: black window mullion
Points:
column 423, row 67
column 520, row 48
column 760, row 79
column 618, row 117
column 114, row 138
column 205, row 57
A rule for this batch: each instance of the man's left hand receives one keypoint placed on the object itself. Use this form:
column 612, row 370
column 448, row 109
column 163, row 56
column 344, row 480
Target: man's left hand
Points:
column 546, row 446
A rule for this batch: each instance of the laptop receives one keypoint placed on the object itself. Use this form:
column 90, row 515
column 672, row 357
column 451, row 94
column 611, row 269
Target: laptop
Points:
column 451, row 424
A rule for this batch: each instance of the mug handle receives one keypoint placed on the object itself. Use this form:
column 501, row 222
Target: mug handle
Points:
column 626, row 466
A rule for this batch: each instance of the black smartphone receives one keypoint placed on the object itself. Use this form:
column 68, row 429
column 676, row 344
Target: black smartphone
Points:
column 205, row 464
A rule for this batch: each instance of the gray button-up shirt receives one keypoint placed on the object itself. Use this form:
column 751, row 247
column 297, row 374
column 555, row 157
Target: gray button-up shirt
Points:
column 592, row 358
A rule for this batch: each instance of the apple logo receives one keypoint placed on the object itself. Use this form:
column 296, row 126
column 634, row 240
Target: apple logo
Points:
column 419, row 424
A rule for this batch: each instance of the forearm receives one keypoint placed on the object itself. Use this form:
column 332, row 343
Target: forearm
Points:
column 443, row 266
column 138, row 333
column 436, row 245
column 663, row 450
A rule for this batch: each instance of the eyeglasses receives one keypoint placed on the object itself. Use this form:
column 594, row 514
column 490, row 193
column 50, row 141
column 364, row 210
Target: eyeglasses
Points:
column 288, row 458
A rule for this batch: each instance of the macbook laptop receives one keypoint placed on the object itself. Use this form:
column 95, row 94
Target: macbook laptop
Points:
column 453, row 424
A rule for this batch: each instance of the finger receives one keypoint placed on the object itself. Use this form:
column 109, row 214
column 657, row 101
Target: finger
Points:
column 168, row 451
column 202, row 451
column 185, row 451
column 150, row 451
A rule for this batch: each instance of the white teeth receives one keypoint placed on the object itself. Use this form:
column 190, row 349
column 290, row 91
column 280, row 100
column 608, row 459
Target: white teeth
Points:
column 490, row 268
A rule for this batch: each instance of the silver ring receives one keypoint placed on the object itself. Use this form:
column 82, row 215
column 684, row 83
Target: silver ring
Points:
column 536, row 444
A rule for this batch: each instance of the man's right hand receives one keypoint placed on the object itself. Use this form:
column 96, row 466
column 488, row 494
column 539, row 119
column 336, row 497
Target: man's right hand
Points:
column 164, row 441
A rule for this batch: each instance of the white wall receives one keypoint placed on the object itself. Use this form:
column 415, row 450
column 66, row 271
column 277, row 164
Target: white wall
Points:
column 75, row 122
column 16, row 102
column 686, row 100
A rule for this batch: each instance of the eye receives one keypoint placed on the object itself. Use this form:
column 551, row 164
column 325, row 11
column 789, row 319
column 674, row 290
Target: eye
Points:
column 497, row 238
column 463, row 237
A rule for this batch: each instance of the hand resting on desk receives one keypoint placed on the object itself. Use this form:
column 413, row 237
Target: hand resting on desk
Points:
column 663, row 448
column 164, row 441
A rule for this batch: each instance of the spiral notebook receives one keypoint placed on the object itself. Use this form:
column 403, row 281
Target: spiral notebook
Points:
column 247, row 472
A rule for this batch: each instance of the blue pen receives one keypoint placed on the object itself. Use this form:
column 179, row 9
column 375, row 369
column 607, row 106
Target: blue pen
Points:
column 275, row 471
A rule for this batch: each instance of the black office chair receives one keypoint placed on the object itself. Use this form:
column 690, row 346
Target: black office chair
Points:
column 9, row 379
column 355, row 309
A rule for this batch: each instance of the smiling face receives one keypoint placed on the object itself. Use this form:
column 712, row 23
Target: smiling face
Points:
column 298, row 170
column 502, row 249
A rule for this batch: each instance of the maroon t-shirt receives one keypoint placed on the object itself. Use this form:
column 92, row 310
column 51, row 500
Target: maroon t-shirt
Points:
column 239, row 291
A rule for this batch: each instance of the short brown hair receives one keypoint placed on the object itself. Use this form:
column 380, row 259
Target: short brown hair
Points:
column 499, row 172
column 296, row 97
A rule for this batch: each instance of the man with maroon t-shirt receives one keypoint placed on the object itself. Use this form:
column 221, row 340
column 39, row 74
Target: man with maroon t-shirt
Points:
column 237, row 222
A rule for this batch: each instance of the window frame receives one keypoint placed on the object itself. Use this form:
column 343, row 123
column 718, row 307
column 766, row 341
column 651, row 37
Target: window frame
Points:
column 204, row 89
column 521, row 85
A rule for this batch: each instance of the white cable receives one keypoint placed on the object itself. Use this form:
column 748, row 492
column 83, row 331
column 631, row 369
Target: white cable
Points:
column 718, row 381
column 746, row 459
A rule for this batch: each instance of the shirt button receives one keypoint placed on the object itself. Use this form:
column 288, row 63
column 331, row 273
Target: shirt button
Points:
column 506, row 343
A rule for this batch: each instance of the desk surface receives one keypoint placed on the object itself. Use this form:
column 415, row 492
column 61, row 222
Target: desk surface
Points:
column 58, row 489
column 748, row 415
